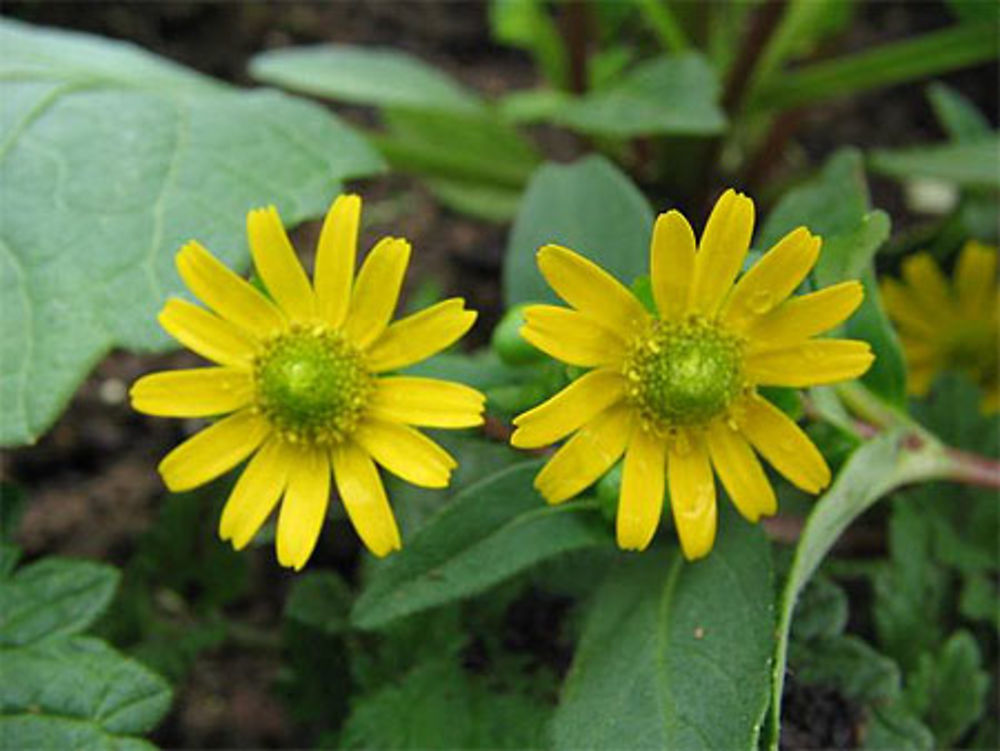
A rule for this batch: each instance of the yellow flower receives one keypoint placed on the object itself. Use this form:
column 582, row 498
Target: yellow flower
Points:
column 676, row 392
column 301, row 377
column 949, row 327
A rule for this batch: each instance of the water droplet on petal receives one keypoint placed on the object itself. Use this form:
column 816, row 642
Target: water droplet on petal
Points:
column 761, row 301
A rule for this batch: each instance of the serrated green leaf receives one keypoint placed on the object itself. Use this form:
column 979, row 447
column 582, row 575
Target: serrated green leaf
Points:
column 675, row 95
column 948, row 688
column 79, row 678
column 43, row 732
column 588, row 206
column 54, row 596
column 110, row 158
column 486, row 534
column 381, row 77
column 894, row 727
column 675, row 654
column 439, row 706
column 850, row 665
column 820, row 612
column 969, row 164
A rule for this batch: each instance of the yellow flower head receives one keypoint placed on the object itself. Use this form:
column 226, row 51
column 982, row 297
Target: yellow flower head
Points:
column 949, row 327
column 300, row 376
column 676, row 393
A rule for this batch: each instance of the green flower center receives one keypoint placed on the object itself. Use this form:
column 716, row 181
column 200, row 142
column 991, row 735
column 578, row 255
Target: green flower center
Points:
column 685, row 373
column 312, row 385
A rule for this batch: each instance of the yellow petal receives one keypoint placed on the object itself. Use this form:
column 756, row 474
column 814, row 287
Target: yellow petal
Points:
column 802, row 317
column 692, row 496
column 206, row 334
column 278, row 266
column 257, row 492
column 772, row 279
column 572, row 337
column 304, row 508
column 231, row 297
column 671, row 263
column 575, row 405
column 643, row 481
column 724, row 245
column 427, row 402
column 783, row 444
column 421, row 335
column 200, row 392
column 363, row 495
column 587, row 455
column 215, row 450
column 976, row 278
column 928, row 285
column 901, row 308
column 811, row 363
column 590, row 289
column 740, row 472
column 406, row 452
column 335, row 256
column 376, row 291
column 920, row 352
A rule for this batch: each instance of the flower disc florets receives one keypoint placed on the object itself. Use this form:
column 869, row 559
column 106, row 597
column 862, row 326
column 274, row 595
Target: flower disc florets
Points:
column 684, row 373
column 311, row 385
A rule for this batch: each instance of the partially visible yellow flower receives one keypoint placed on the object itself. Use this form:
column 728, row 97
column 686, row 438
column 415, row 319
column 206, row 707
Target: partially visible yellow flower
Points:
column 949, row 326
column 676, row 393
column 301, row 375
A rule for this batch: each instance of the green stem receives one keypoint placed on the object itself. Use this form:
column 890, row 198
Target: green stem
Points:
column 884, row 464
column 664, row 24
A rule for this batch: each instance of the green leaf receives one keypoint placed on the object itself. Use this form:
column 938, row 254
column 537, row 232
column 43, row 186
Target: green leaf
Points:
column 489, row 532
column 836, row 205
column 110, row 158
column 469, row 148
column 47, row 686
column 320, row 599
column 875, row 469
column 528, row 25
column 675, row 95
column 969, row 164
column 894, row 727
column 910, row 591
column 54, row 596
column 588, row 206
column 959, row 117
column 893, row 63
column 848, row 664
column 820, row 612
column 494, row 203
column 438, row 705
column 949, row 688
column 675, row 654
column 363, row 75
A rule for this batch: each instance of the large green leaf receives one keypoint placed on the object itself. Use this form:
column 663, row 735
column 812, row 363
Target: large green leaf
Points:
column 55, row 596
column 970, row 164
column 675, row 95
column 835, row 205
column 76, row 692
column 588, row 206
column 362, row 75
column 674, row 654
column 489, row 532
column 110, row 158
